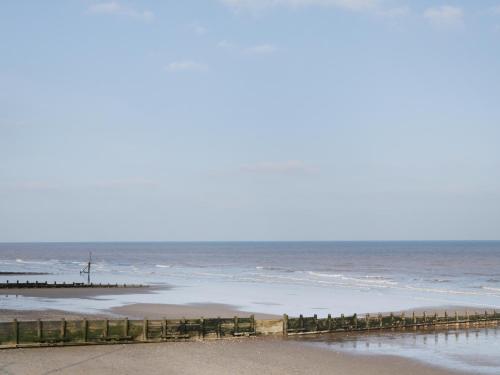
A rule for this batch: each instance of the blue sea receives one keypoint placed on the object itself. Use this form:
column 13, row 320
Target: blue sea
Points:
column 276, row 277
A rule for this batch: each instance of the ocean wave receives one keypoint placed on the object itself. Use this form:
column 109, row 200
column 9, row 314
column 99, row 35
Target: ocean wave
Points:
column 334, row 275
column 274, row 268
column 362, row 280
column 163, row 265
column 440, row 280
column 490, row 288
column 22, row 261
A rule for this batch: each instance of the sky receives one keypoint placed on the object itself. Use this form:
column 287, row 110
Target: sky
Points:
column 255, row 120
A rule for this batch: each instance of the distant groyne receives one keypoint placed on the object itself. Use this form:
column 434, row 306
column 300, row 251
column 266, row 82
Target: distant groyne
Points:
column 47, row 285
column 38, row 333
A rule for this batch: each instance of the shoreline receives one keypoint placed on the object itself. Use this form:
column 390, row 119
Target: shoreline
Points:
column 173, row 311
column 189, row 311
column 294, row 354
column 83, row 293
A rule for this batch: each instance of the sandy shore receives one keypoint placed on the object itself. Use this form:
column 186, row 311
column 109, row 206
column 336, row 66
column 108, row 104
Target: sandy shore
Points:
column 138, row 311
column 244, row 356
column 78, row 292
column 192, row 311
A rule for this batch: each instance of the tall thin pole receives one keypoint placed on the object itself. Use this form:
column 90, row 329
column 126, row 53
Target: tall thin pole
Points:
column 88, row 268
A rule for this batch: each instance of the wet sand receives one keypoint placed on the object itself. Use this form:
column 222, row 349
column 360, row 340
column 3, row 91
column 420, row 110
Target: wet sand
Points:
column 78, row 292
column 236, row 356
column 266, row 355
column 139, row 311
column 192, row 311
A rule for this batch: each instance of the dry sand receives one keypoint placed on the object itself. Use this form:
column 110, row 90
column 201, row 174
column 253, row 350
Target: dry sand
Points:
column 238, row 356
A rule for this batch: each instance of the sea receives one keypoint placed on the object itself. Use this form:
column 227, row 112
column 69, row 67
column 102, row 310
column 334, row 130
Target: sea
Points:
column 289, row 277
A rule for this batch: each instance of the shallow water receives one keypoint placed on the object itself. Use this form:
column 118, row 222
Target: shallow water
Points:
column 473, row 350
column 271, row 277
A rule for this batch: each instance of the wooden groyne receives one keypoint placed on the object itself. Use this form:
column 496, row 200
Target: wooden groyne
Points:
column 313, row 325
column 63, row 332
column 45, row 285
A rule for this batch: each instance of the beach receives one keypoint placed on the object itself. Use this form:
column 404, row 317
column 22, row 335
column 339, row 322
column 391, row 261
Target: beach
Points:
column 264, row 354
column 266, row 280
column 234, row 356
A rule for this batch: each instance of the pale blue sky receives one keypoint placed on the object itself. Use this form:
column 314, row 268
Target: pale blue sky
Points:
column 249, row 120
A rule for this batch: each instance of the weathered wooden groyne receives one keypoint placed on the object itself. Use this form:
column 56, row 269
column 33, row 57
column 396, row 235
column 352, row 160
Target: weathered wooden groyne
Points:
column 312, row 325
column 45, row 284
column 16, row 334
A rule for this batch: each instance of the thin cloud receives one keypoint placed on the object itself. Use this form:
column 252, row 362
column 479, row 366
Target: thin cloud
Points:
column 117, row 9
column 394, row 12
column 353, row 5
column 125, row 183
column 289, row 167
column 186, row 66
column 60, row 186
column 445, row 16
column 495, row 10
column 225, row 44
column 261, row 49
column 198, row 29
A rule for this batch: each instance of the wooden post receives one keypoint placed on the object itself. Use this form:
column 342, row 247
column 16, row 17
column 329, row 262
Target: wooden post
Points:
column 285, row 325
column 145, row 330
column 164, row 328
column 125, row 328
column 63, row 329
column 106, row 328
column 367, row 318
column 16, row 331
column 355, row 319
column 329, row 322
column 202, row 328
column 235, row 325
column 342, row 321
column 392, row 320
column 403, row 320
column 456, row 319
column 39, row 330
column 254, row 328
column 315, row 318
column 301, row 322
column 414, row 320
column 85, row 328
column 380, row 322
column 425, row 319
column 219, row 327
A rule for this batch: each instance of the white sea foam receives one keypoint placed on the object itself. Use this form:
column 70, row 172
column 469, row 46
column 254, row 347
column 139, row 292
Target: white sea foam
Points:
column 490, row 288
column 18, row 260
column 163, row 266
